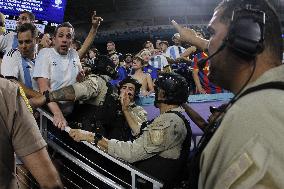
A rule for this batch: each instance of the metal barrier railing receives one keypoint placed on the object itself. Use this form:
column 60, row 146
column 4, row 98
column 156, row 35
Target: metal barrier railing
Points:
column 45, row 116
column 84, row 166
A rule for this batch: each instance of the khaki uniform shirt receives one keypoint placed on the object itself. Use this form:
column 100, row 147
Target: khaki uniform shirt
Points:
column 92, row 90
column 247, row 149
column 164, row 136
column 140, row 116
column 18, row 132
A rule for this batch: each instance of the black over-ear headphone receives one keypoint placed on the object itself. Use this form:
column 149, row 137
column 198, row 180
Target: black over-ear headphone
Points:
column 246, row 33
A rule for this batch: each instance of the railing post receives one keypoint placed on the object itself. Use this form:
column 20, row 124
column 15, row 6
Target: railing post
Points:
column 133, row 180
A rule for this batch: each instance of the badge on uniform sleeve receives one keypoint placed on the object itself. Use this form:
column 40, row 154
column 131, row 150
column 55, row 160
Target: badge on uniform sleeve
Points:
column 256, row 156
column 236, row 169
column 149, row 71
column 157, row 136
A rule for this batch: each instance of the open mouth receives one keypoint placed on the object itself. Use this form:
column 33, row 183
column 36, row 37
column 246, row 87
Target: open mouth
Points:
column 64, row 47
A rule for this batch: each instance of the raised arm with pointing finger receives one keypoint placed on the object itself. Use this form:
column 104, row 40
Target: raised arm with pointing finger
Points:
column 96, row 21
column 189, row 35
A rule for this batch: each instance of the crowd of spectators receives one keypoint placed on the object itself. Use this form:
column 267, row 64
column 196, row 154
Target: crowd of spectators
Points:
column 130, row 33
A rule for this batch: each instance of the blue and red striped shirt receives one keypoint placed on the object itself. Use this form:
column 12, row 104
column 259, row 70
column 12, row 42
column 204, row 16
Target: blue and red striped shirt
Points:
column 209, row 87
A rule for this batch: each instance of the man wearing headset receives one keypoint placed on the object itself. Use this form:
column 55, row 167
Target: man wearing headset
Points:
column 245, row 150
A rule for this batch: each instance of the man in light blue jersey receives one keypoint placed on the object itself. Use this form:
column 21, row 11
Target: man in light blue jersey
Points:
column 176, row 50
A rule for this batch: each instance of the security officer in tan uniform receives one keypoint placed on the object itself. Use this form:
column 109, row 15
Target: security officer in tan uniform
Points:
column 19, row 133
column 163, row 145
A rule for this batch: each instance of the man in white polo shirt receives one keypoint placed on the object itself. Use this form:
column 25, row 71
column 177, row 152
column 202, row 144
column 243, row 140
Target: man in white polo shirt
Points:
column 58, row 67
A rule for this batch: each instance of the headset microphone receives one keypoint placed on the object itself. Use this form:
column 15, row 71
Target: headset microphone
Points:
column 201, row 63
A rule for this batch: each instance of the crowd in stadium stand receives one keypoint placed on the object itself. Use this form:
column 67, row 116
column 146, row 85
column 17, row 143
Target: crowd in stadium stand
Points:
column 144, row 31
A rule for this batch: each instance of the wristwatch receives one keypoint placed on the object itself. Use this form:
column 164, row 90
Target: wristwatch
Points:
column 46, row 94
column 97, row 137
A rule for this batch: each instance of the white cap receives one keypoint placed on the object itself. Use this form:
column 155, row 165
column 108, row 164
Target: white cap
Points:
column 176, row 35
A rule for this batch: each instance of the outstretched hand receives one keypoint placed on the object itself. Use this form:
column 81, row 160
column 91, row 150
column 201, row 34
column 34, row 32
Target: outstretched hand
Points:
column 96, row 21
column 81, row 135
column 59, row 121
column 186, row 34
column 124, row 100
column 189, row 35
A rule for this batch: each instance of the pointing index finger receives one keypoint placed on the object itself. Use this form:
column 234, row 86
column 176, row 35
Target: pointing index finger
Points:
column 176, row 25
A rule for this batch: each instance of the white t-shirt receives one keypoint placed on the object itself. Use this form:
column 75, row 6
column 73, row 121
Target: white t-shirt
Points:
column 174, row 51
column 8, row 41
column 14, row 65
column 158, row 61
column 61, row 70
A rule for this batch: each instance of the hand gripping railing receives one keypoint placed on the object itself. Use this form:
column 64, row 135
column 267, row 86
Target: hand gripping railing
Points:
column 45, row 116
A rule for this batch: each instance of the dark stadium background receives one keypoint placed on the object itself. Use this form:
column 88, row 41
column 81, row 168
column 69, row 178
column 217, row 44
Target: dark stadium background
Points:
column 140, row 14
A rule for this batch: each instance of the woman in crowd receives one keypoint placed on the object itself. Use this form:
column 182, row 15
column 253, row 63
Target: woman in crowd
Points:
column 143, row 78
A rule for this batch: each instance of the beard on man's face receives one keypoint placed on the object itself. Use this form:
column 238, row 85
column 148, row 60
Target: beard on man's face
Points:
column 223, row 68
column 214, row 76
column 216, row 69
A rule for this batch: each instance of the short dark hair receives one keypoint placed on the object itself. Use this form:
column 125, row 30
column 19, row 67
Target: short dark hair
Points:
column 94, row 49
column 111, row 42
column 31, row 15
column 147, row 42
column 27, row 27
column 272, row 34
column 133, row 81
column 64, row 25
